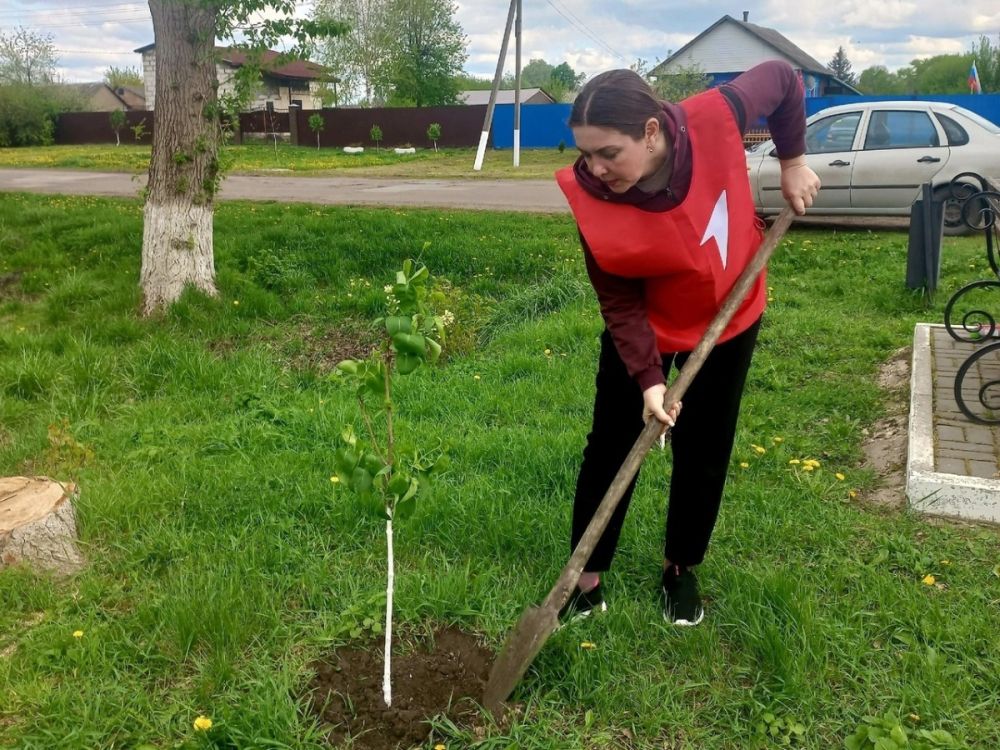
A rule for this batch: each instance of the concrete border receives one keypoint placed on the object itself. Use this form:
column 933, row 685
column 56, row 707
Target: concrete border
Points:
column 929, row 491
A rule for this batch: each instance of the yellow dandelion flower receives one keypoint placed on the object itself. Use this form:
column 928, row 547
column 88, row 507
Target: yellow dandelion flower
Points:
column 811, row 462
column 852, row 494
column 777, row 440
column 946, row 562
column 475, row 377
column 548, row 352
column 588, row 646
column 335, row 479
column 808, row 467
column 236, row 302
column 758, row 449
column 794, row 461
column 440, row 746
column 914, row 717
column 78, row 634
column 203, row 723
column 744, row 465
column 929, row 580
column 839, row 476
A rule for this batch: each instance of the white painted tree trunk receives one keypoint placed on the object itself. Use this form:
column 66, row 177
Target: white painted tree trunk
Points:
column 387, row 647
column 38, row 525
column 177, row 251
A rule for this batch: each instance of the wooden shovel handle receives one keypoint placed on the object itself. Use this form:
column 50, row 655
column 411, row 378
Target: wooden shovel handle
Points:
column 560, row 593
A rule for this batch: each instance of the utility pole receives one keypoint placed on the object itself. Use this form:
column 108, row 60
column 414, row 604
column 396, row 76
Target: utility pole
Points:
column 497, row 77
column 517, row 87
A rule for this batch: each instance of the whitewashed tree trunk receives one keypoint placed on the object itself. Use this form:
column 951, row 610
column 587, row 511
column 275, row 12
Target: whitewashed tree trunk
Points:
column 183, row 169
column 38, row 525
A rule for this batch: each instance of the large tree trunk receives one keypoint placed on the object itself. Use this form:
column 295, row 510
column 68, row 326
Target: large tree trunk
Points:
column 37, row 524
column 183, row 170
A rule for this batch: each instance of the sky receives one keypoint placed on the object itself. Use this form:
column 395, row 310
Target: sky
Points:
column 591, row 35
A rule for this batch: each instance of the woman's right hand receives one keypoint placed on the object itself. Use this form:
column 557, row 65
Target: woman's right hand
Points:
column 652, row 406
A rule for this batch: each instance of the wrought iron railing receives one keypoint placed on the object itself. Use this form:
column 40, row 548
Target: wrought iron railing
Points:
column 971, row 313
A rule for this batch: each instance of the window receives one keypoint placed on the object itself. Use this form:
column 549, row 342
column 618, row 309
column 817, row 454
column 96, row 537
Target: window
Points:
column 834, row 133
column 900, row 129
column 955, row 132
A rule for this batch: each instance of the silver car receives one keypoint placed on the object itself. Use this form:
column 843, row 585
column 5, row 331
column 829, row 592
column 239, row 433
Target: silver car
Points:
column 872, row 158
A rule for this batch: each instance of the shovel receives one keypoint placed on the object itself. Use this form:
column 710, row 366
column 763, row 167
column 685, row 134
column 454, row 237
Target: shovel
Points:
column 538, row 622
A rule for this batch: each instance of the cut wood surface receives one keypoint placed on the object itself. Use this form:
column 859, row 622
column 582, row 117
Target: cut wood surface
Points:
column 38, row 525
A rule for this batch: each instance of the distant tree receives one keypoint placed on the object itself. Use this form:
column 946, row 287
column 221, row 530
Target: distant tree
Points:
column 536, row 74
column 27, row 57
column 565, row 75
column 469, row 82
column 878, row 79
column 841, row 67
column 429, row 54
column 987, row 57
column 316, row 124
column 127, row 76
column 684, row 81
column 942, row 74
column 362, row 58
column 117, row 118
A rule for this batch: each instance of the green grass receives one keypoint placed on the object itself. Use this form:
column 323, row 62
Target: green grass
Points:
column 448, row 163
column 222, row 560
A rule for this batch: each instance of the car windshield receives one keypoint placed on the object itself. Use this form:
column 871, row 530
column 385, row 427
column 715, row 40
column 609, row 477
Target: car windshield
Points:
column 978, row 119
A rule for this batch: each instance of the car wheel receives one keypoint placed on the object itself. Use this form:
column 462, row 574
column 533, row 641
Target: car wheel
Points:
column 954, row 223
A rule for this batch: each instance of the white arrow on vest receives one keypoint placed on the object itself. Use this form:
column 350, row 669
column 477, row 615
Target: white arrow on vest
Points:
column 718, row 227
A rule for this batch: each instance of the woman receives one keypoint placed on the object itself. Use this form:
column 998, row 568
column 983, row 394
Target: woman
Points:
column 663, row 207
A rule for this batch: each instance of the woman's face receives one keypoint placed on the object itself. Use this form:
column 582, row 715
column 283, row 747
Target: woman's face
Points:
column 616, row 159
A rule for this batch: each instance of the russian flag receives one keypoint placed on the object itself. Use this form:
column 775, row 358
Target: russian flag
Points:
column 975, row 87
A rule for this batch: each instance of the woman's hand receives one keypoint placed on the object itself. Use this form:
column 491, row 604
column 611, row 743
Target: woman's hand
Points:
column 652, row 406
column 799, row 184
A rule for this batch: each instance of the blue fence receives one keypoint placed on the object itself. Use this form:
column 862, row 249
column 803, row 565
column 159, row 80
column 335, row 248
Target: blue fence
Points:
column 544, row 125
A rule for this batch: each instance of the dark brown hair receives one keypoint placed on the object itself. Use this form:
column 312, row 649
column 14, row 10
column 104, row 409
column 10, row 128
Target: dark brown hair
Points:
column 618, row 99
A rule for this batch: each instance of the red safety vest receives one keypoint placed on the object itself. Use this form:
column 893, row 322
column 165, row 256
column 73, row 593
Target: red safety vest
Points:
column 691, row 255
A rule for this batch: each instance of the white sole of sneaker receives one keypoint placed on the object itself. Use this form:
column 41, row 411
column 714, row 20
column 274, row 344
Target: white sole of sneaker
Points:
column 603, row 607
column 685, row 623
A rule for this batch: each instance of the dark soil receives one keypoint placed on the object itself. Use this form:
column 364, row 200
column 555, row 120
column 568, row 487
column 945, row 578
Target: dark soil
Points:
column 444, row 676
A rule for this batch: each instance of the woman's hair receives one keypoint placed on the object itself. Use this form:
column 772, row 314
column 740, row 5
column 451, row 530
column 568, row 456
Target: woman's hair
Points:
column 618, row 99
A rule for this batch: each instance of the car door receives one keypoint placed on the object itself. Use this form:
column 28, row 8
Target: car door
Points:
column 830, row 143
column 901, row 150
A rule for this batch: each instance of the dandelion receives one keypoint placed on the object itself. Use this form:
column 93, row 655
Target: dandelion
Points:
column 839, row 476
column 946, row 562
column 548, row 352
column 203, row 723
column 236, row 303
column 852, row 494
column 78, row 634
column 588, row 646
column 744, row 465
column 808, row 467
column 811, row 462
column 440, row 746
column 475, row 377
column 929, row 580
column 758, row 449
column 914, row 717
column 777, row 440
column 335, row 479
column 794, row 461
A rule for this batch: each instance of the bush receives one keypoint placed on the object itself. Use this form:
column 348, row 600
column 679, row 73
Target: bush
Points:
column 28, row 114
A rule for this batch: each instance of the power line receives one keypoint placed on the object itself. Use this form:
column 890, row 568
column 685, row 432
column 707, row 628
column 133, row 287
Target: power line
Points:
column 92, row 52
column 582, row 28
column 20, row 13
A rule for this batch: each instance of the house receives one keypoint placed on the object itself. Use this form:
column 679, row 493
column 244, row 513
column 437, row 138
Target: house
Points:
column 283, row 83
column 506, row 96
column 729, row 47
column 100, row 97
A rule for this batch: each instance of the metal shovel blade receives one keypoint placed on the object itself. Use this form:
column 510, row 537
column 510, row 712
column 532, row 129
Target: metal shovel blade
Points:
column 519, row 651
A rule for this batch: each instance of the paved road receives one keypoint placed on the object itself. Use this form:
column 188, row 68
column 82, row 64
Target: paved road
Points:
column 494, row 195
column 491, row 195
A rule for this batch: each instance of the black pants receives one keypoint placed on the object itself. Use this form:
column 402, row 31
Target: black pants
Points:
column 702, row 443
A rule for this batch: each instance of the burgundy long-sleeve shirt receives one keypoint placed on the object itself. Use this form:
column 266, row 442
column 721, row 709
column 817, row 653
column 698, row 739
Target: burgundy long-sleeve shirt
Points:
column 770, row 90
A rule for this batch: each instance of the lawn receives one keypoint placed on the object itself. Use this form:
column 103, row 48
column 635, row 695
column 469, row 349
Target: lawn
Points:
column 223, row 561
column 452, row 163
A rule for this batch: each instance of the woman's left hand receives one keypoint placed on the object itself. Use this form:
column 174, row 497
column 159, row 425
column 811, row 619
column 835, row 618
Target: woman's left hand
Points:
column 799, row 184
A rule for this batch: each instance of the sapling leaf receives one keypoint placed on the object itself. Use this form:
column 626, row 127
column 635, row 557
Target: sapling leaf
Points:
column 409, row 343
column 348, row 366
column 433, row 350
column 405, row 508
column 407, row 363
column 398, row 324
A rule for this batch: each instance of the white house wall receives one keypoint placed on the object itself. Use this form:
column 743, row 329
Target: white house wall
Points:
column 727, row 49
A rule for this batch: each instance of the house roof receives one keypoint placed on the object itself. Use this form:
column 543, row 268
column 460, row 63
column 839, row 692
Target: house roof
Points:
column 770, row 37
column 302, row 69
column 129, row 96
column 504, row 96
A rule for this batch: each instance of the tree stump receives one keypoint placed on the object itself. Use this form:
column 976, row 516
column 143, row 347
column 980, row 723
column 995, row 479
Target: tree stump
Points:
column 37, row 524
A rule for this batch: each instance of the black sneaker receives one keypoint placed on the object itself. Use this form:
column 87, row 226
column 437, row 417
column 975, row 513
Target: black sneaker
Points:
column 681, row 600
column 582, row 604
